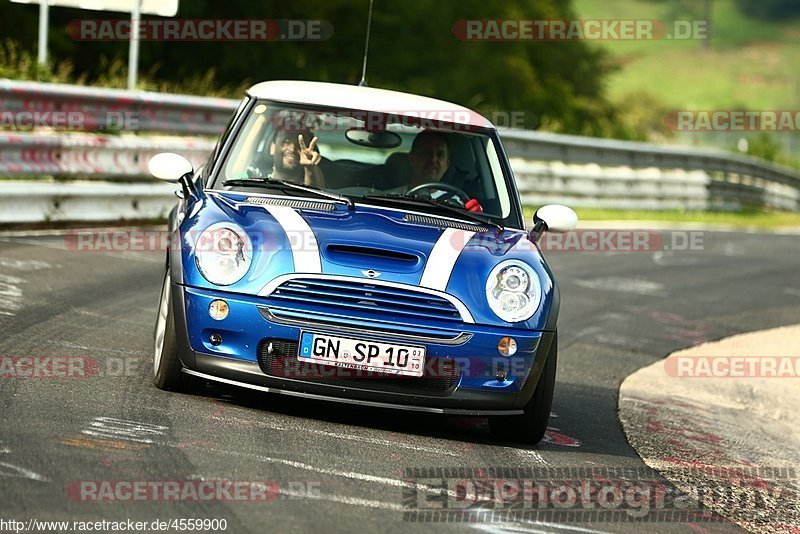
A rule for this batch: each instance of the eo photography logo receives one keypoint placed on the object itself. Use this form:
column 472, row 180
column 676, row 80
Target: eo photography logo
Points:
column 582, row 494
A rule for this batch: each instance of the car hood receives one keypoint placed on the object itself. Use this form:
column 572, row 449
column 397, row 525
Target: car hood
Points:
column 370, row 242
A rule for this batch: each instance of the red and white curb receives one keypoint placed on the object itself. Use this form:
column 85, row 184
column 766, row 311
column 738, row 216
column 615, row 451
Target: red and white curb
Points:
column 722, row 421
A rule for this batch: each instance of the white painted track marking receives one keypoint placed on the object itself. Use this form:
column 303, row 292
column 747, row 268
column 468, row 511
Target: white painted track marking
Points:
column 353, row 501
column 111, row 428
column 636, row 286
column 14, row 471
column 333, row 472
column 350, row 437
column 11, row 293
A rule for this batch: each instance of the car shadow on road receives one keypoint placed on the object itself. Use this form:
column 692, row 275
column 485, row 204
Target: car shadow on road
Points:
column 584, row 419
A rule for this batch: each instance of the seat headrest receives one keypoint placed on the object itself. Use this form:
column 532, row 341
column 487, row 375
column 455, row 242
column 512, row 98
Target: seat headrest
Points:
column 398, row 168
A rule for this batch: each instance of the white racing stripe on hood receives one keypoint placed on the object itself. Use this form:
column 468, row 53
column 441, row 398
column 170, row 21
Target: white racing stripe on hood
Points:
column 305, row 251
column 443, row 258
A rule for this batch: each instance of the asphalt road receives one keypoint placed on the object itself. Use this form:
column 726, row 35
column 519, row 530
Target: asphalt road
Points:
column 619, row 312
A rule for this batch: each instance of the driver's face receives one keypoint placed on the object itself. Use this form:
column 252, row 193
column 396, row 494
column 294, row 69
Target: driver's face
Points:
column 429, row 160
column 286, row 151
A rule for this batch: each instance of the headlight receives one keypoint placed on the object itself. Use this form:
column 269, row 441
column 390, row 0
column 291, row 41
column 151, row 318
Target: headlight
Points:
column 223, row 253
column 513, row 291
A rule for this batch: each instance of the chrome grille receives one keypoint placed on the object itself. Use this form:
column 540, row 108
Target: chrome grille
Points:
column 355, row 298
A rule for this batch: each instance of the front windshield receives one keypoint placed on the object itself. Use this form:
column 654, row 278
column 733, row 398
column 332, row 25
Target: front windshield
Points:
column 370, row 158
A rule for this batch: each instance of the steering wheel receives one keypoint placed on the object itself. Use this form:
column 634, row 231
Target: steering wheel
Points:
column 463, row 197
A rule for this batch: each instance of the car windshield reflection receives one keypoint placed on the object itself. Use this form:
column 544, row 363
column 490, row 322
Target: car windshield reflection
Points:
column 369, row 158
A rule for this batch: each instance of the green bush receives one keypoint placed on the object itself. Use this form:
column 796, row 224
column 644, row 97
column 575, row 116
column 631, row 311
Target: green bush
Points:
column 17, row 63
column 766, row 146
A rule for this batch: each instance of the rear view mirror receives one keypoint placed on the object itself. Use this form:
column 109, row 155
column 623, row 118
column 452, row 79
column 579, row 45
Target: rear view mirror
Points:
column 374, row 139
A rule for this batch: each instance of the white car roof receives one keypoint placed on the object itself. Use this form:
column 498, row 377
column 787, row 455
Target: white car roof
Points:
column 353, row 97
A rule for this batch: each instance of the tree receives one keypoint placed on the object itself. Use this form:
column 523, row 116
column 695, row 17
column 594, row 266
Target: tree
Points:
column 770, row 9
column 558, row 85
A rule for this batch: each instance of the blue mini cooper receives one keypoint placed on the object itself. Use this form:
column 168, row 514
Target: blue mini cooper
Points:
column 364, row 246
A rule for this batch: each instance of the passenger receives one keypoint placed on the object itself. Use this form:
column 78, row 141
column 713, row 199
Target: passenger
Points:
column 291, row 159
column 295, row 161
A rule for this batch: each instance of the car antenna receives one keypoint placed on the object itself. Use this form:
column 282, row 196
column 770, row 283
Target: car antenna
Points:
column 363, row 82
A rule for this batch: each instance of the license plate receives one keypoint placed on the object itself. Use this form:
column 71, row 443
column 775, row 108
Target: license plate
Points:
column 362, row 354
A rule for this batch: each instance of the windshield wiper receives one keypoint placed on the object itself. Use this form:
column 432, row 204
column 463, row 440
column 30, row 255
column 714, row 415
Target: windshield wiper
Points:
column 292, row 187
column 417, row 201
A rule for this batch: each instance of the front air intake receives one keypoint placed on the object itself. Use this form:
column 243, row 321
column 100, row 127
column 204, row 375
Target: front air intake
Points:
column 370, row 252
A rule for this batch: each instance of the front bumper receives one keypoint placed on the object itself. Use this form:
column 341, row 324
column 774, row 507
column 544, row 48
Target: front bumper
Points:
column 239, row 359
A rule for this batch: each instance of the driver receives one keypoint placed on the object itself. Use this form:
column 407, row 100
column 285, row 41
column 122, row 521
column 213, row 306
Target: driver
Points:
column 429, row 159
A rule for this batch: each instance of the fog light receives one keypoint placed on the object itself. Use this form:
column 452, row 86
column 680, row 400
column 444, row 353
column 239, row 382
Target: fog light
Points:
column 218, row 310
column 216, row 339
column 501, row 374
column 507, row 346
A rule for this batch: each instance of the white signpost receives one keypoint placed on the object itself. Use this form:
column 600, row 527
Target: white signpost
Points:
column 164, row 8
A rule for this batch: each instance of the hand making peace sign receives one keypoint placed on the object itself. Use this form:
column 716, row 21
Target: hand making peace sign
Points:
column 308, row 156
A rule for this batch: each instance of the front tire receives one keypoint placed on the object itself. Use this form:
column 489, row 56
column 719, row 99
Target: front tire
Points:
column 531, row 426
column 166, row 363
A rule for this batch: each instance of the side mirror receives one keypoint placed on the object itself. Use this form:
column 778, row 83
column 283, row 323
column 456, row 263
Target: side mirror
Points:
column 169, row 167
column 173, row 168
column 553, row 218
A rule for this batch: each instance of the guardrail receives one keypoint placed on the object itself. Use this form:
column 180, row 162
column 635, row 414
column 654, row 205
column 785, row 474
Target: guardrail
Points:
column 622, row 174
column 579, row 171
column 88, row 109
column 92, row 156
column 27, row 202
